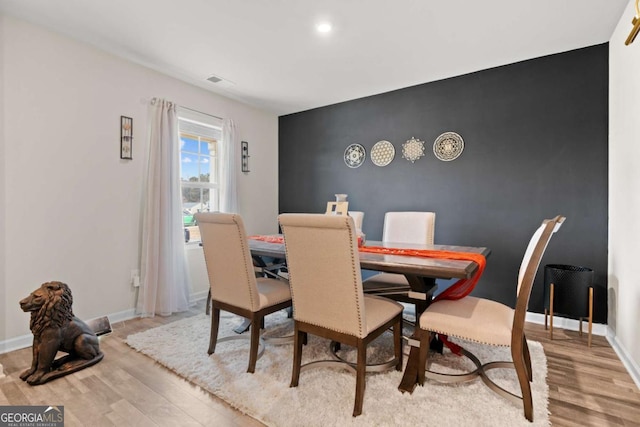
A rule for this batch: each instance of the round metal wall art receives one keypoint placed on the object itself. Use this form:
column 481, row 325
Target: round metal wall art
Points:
column 413, row 149
column 354, row 155
column 448, row 146
column 382, row 153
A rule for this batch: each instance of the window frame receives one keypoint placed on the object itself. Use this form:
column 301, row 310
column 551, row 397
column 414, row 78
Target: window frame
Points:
column 201, row 128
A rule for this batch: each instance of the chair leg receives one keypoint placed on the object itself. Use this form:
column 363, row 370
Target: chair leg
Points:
column 215, row 322
column 299, row 337
column 255, row 341
column 551, row 290
column 590, row 314
column 207, row 309
column 397, row 343
column 361, row 368
column 523, row 379
column 527, row 358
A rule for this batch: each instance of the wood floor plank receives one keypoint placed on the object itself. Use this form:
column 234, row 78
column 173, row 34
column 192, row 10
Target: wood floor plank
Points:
column 585, row 383
column 126, row 414
column 184, row 395
column 160, row 410
column 71, row 420
column 3, row 399
column 564, row 412
column 13, row 393
column 625, row 410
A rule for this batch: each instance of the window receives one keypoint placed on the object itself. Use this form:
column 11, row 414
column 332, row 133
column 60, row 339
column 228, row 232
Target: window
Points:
column 200, row 139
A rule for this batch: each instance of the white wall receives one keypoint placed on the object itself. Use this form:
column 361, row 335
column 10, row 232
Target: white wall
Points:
column 3, row 296
column 624, row 197
column 72, row 206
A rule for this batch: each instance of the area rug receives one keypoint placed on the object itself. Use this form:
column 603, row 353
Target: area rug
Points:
column 325, row 396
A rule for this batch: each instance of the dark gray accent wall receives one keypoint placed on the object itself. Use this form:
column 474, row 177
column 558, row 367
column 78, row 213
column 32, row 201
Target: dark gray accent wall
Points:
column 536, row 145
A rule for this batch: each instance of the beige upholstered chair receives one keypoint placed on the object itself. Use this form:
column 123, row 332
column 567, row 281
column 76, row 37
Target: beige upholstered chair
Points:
column 337, row 208
column 358, row 218
column 401, row 227
column 233, row 282
column 492, row 323
column 326, row 286
column 409, row 227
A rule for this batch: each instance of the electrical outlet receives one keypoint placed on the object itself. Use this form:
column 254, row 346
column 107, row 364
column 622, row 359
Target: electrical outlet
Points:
column 135, row 278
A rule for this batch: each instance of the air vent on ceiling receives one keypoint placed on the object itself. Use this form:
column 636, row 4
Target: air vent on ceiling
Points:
column 221, row 83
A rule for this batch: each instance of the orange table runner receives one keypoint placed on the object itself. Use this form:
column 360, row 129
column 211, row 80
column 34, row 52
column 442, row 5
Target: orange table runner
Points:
column 268, row 239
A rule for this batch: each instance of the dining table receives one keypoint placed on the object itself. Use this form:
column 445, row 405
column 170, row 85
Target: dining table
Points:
column 421, row 272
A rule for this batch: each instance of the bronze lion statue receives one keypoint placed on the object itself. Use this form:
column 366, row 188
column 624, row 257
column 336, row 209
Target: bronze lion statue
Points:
column 54, row 329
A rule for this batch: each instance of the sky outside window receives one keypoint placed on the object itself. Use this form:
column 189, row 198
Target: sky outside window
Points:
column 195, row 158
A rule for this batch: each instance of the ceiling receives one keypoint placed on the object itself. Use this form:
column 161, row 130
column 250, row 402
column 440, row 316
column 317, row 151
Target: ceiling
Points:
column 270, row 55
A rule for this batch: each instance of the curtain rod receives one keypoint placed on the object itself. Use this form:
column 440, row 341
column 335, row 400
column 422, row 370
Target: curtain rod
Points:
column 200, row 112
column 144, row 101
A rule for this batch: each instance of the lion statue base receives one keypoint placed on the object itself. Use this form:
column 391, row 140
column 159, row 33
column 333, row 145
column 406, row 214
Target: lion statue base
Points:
column 55, row 329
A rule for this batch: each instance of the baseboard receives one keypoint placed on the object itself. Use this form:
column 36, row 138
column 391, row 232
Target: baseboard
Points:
column 570, row 324
column 197, row 296
column 630, row 365
column 16, row 343
column 24, row 341
column 121, row 316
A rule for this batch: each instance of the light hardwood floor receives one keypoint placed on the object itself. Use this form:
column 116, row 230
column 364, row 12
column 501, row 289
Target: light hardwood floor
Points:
column 587, row 386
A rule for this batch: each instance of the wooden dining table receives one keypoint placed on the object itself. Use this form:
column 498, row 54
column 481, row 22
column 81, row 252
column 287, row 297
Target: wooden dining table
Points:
column 421, row 272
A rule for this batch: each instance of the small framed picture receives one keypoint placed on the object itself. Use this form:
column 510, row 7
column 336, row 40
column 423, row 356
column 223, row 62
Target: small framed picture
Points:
column 126, row 137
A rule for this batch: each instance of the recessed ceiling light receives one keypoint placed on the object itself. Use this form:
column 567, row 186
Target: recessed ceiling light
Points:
column 324, row 27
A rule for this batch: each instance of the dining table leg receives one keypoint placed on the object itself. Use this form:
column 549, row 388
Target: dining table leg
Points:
column 422, row 290
column 410, row 375
column 425, row 286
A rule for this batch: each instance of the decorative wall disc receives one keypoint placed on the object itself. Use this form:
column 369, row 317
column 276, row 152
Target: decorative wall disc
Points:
column 413, row 149
column 448, row 146
column 382, row 153
column 354, row 155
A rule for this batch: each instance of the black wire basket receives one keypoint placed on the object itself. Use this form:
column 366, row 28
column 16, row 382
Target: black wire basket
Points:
column 571, row 289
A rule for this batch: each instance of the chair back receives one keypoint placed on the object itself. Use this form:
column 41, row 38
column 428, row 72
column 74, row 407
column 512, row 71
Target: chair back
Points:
column 228, row 259
column 337, row 208
column 529, row 267
column 409, row 227
column 358, row 218
column 324, row 271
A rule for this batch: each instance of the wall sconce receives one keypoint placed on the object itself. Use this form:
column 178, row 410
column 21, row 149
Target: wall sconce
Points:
column 126, row 137
column 636, row 26
column 245, row 156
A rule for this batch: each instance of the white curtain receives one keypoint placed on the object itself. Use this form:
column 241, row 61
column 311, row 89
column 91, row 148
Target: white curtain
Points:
column 164, row 287
column 228, row 168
